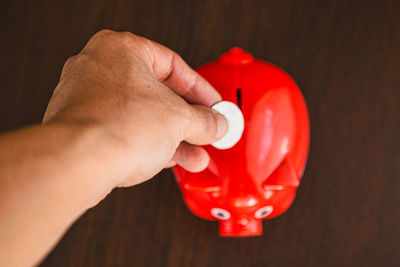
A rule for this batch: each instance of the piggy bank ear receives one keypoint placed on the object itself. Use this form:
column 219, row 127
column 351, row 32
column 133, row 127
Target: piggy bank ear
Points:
column 283, row 177
column 270, row 133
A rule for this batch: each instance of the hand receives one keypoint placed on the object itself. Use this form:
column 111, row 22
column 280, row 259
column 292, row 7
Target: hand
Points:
column 152, row 107
column 124, row 108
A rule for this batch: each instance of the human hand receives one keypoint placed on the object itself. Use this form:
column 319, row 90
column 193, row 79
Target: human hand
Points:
column 124, row 108
column 152, row 107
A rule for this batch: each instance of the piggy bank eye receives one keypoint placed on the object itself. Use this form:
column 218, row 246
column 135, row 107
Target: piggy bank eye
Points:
column 220, row 213
column 263, row 212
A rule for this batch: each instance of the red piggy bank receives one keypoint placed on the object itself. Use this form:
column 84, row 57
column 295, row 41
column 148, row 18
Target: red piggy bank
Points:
column 257, row 178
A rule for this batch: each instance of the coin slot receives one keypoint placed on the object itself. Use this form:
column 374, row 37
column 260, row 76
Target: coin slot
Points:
column 239, row 97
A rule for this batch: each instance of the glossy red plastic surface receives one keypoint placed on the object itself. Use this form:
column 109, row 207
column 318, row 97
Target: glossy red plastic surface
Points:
column 258, row 177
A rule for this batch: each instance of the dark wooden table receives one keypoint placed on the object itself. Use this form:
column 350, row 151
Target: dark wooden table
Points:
column 345, row 55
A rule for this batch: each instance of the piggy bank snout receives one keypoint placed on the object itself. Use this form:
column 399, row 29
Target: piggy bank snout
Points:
column 240, row 227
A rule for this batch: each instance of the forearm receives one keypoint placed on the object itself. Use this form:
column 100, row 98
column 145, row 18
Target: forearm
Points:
column 49, row 175
column 138, row 93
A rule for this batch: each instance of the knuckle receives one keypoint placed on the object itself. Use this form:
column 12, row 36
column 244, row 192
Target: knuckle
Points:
column 126, row 41
column 70, row 61
column 111, row 42
column 109, row 37
column 123, row 37
column 103, row 33
column 122, row 43
column 101, row 38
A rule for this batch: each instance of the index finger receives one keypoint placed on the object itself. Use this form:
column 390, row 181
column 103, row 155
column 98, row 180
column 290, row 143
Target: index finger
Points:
column 170, row 69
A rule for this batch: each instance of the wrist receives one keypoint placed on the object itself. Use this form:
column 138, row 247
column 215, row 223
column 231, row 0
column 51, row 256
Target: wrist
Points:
column 91, row 156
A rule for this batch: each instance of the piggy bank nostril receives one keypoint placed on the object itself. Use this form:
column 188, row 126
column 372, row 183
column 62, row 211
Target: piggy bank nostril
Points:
column 243, row 221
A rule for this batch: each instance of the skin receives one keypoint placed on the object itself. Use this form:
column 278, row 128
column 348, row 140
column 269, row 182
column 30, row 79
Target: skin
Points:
column 124, row 109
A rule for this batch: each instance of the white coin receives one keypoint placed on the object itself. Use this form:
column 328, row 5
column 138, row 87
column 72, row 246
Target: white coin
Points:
column 235, row 120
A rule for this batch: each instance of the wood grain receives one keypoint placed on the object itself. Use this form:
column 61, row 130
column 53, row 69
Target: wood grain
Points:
column 343, row 54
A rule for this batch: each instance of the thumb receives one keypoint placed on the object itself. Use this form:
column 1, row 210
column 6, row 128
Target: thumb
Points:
column 205, row 127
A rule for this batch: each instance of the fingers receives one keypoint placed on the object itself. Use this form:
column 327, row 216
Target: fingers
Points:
column 205, row 126
column 169, row 68
column 166, row 66
column 191, row 158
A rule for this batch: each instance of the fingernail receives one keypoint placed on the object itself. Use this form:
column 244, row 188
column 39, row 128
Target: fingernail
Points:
column 222, row 125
